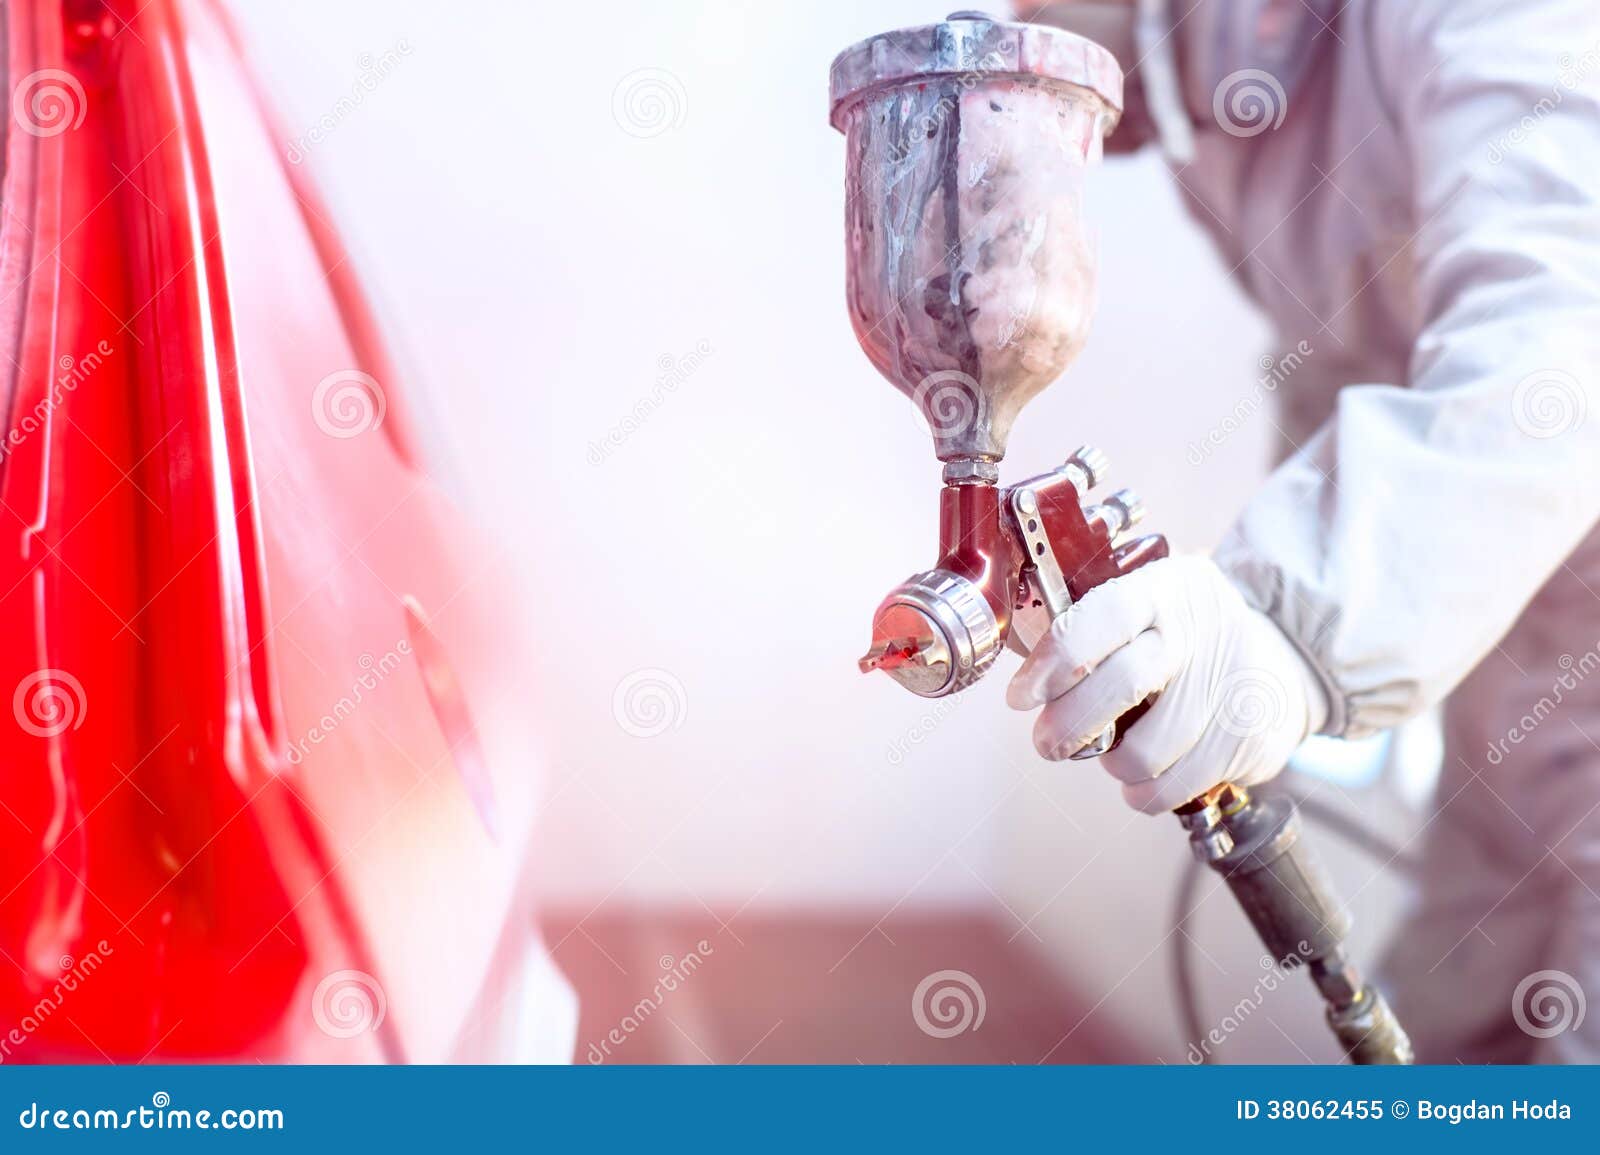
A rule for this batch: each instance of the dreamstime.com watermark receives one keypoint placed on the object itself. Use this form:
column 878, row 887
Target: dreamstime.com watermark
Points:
column 1548, row 1003
column 1274, row 975
column 1249, row 102
column 948, row 1003
column 74, row 973
column 159, row 1115
column 348, row 403
column 923, row 727
column 1571, row 71
column 915, row 132
column 71, row 373
column 348, row 1003
column 678, row 971
column 1573, row 673
column 649, row 702
column 374, row 671
column 948, row 403
column 1548, row 403
column 1250, row 702
column 671, row 375
column 374, row 71
column 1274, row 372
column 648, row 102
column 48, row 102
column 48, row 703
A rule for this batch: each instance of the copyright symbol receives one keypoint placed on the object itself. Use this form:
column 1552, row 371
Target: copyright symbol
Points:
column 1400, row 1108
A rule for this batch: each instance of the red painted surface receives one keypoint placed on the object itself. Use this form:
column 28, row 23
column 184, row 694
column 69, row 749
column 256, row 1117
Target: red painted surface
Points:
column 265, row 683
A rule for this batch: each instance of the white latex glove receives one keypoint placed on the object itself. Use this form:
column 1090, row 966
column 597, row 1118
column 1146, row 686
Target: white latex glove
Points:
column 1236, row 697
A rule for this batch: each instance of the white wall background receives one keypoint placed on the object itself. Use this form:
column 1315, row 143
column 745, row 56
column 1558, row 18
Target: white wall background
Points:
column 537, row 262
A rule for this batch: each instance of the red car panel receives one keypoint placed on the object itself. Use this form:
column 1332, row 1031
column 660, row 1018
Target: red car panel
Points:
column 271, row 771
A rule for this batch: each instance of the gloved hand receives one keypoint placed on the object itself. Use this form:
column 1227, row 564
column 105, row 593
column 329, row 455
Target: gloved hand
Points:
column 1236, row 697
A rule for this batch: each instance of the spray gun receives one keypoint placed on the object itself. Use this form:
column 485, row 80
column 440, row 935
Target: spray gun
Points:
column 970, row 281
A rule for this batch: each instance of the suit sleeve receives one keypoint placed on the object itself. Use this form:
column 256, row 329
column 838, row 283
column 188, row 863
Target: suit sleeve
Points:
column 1402, row 541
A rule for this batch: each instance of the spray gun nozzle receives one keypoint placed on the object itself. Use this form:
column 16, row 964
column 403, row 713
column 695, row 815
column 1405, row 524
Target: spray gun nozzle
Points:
column 890, row 654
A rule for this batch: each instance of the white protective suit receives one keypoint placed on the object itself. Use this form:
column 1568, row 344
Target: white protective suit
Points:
column 1426, row 218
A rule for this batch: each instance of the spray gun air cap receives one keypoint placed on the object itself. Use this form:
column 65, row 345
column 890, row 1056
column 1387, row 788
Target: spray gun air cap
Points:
column 970, row 271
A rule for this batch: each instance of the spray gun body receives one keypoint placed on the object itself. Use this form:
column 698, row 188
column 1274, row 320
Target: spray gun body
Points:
column 1012, row 560
column 970, row 279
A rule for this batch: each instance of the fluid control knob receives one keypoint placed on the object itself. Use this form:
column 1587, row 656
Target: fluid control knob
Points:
column 1131, row 505
column 1118, row 513
column 1091, row 463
